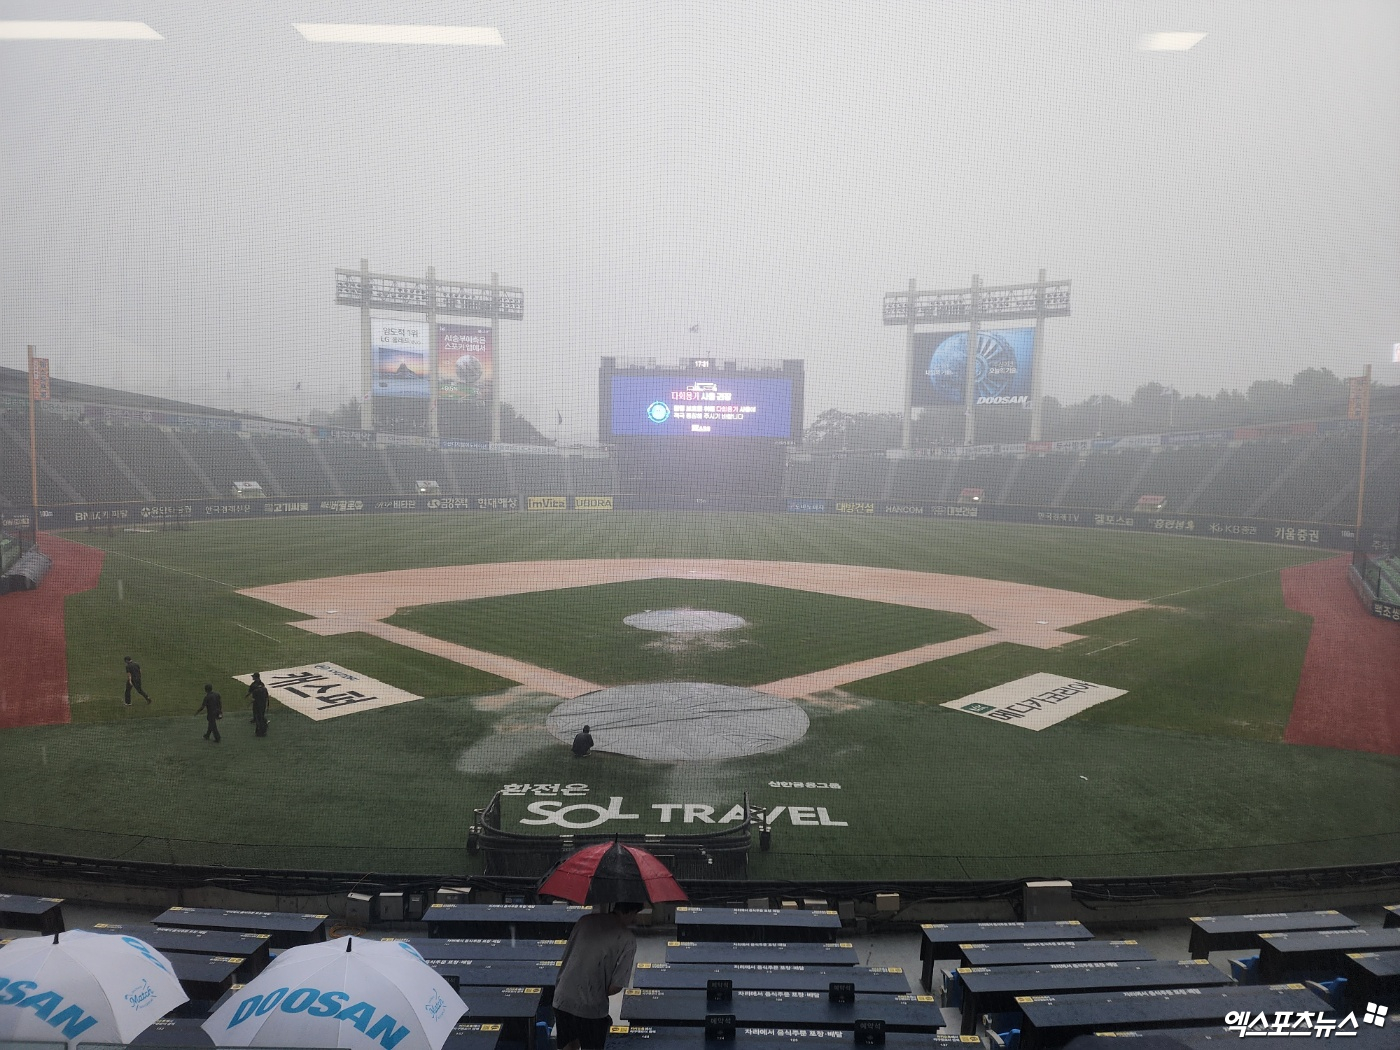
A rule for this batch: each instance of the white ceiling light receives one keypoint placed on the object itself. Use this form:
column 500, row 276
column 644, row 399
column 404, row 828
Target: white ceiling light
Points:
column 77, row 30
column 329, row 33
column 1169, row 41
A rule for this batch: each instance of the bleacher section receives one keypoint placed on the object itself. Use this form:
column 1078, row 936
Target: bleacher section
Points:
column 14, row 464
column 1175, row 472
column 1104, row 480
column 1246, row 476
column 861, row 477
column 809, row 477
column 592, row 476
column 81, row 461
column 295, row 464
column 151, row 456
column 360, row 469
column 919, row 478
column 224, row 457
column 1040, row 478
column 540, row 475
column 412, row 465
column 988, row 473
column 478, row 473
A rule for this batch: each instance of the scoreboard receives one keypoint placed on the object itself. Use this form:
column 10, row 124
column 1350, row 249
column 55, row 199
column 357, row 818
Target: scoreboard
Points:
column 701, row 399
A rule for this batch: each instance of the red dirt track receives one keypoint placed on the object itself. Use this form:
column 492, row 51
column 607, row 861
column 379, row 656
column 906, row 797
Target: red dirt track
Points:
column 1349, row 692
column 34, row 685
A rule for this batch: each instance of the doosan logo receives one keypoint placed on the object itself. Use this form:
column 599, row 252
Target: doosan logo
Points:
column 1019, row 399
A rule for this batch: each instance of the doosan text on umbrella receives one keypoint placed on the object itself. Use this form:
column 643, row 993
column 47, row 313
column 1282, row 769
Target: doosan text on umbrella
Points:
column 317, row 1003
column 72, row 1020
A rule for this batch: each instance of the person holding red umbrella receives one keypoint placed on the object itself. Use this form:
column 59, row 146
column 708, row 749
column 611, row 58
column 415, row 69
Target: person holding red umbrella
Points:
column 597, row 963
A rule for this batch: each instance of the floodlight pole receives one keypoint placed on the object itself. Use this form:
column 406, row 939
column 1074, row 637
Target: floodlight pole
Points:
column 33, row 455
column 1037, row 359
column 1365, row 428
column 909, row 369
column 970, row 381
column 432, row 353
column 495, row 358
column 366, row 352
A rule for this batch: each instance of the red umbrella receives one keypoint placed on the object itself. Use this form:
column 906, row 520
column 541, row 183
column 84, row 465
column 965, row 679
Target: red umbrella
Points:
column 611, row 872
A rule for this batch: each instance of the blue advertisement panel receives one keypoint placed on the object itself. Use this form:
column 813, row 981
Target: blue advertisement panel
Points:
column 1002, row 367
column 400, row 358
column 715, row 406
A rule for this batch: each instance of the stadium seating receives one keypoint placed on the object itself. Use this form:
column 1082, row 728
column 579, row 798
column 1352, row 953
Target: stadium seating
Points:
column 1040, row 478
column 593, row 476
column 478, row 473
column 1176, row 472
column 540, row 475
column 412, row 465
column 84, row 464
column 811, row 477
column 361, row 470
column 152, row 457
column 1245, row 477
column 860, row 477
column 224, row 457
column 1105, row 479
column 921, row 479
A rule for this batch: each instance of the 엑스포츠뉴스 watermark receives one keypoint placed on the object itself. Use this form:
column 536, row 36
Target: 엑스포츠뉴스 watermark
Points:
column 1317, row 1024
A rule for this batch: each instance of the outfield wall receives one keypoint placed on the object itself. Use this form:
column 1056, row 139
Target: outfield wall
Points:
column 139, row 514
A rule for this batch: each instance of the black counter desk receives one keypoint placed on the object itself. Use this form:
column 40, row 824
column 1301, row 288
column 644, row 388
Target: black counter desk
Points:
column 715, row 953
column 473, row 1035
column 1227, row 933
column 443, row 950
column 251, row 947
column 1042, row 953
column 503, row 921
column 756, row 978
column 205, row 977
column 645, row 1037
column 991, row 989
column 1052, row 1020
column 499, row 973
column 1373, row 977
column 756, row 924
column 901, row 1013
column 1318, row 953
column 285, row 929
column 940, row 940
column 41, row 914
column 514, row 1009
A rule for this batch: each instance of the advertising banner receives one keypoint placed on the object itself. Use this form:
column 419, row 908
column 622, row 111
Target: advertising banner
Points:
column 400, row 357
column 1002, row 367
column 327, row 690
column 1035, row 702
column 465, row 362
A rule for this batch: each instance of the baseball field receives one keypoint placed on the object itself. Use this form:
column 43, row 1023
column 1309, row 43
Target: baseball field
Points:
column 1197, row 762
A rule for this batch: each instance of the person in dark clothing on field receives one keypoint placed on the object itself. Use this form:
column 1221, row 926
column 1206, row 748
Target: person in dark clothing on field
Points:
column 133, row 680
column 583, row 743
column 213, row 707
column 258, row 692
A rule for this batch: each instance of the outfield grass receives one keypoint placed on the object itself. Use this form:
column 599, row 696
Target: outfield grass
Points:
column 1184, row 773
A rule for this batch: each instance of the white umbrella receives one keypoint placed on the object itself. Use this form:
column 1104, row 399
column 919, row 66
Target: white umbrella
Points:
column 83, row 986
column 353, row 993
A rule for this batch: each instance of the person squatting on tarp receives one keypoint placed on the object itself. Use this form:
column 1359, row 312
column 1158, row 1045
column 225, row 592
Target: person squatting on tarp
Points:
column 597, row 963
column 583, row 743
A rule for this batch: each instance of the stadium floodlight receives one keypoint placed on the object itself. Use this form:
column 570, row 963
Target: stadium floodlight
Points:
column 1169, row 41
column 333, row 33
column 77, row 30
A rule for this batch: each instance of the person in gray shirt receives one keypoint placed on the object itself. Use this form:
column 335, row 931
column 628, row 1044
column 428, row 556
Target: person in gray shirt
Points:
column 597, row 963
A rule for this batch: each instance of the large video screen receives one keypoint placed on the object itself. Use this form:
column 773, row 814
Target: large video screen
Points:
column 714, row 405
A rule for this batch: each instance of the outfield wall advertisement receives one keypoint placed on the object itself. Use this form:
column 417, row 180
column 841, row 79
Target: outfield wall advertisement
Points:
column 1002, row 367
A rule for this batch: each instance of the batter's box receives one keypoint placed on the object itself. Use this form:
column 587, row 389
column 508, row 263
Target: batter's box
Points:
column 321, row 691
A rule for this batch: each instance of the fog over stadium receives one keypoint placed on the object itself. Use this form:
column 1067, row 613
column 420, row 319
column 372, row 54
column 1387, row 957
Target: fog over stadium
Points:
column 732, row 180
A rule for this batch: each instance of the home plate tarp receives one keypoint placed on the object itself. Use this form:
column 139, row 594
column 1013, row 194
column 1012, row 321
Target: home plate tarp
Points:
column 326, row 690
column 681, row 721
column 1036, row 701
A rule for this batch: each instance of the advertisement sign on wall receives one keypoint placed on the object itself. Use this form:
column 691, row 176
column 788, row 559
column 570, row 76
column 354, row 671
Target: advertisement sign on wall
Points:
column 1002, row 367
column 465, row 362
column 400, row 357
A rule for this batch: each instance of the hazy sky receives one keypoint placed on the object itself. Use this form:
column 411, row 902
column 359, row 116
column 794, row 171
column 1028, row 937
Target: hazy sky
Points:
column 174, row 210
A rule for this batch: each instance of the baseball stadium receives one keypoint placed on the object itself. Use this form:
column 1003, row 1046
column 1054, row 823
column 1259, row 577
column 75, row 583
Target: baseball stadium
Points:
column 875, row 458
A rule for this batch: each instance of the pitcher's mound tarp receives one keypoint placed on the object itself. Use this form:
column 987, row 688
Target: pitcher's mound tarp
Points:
column 685, row 621
column 681, row 721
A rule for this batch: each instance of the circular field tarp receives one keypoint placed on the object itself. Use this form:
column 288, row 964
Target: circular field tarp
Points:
column 681, row 721
column 684, row 621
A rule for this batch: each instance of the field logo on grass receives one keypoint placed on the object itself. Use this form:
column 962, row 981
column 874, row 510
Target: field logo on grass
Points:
column 321, row 691
column 1036, row 701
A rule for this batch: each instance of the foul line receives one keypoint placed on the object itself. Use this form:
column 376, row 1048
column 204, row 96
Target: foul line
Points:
column 167, row 568
column 1217, row 583
column 258, row 633
column 1106, row 648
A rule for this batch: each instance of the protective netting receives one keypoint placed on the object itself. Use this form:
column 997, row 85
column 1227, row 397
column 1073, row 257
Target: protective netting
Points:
column 681, row 721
